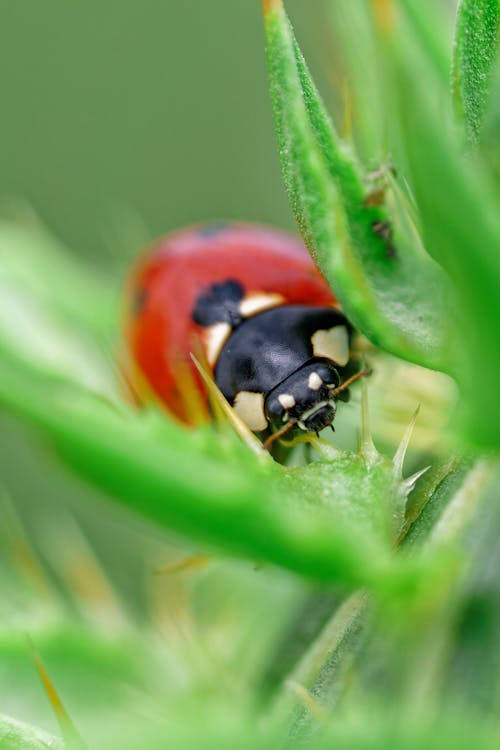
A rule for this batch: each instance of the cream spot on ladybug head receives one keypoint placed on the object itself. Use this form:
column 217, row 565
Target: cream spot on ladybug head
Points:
column 214, row 339
column 286, row 400
column 314, row 382
column 332, row 344
column 256, row 302
column 250, row 407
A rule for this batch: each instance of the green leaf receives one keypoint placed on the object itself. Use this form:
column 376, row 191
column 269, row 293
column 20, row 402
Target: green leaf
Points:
column 476, row 51
column 379, row 276
column 472, row 668
column 204, row 484
column 321, row 669
column 14, row 735
column 350, row 646
column 65, row 315
column 210, row 487
column 32, row 260
column 458, row 204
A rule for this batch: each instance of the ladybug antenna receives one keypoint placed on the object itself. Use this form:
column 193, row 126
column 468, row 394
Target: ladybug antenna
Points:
column 361, row 374
column 268, row 442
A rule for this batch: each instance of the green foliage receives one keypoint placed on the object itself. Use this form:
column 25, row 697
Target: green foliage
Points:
column 233, row 656
column 17, row 736
column 147, row 462
column 379, row 277
column 391, row 288
column 457, row 199
column 476, row 47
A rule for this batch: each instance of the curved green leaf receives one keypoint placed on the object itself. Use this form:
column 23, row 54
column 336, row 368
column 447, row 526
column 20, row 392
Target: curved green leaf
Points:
column 477, row 38
column 331, row 522
column 205, row 484
column 440, row 510
column 380, row 278
column 458, row 204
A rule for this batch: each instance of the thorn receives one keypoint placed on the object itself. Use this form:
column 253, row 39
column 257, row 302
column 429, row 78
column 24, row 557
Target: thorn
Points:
column 400, row 454
column 234, row 420
column 410, row 482
column 187, row 563
column 17, row 544
column 91, row 590
column 271, row 5
column 367, row 448
column 196, row 407
column 383, row 11
column 68, row 730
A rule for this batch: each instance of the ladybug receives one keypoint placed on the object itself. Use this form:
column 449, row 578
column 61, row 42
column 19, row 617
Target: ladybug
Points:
column 248, row 301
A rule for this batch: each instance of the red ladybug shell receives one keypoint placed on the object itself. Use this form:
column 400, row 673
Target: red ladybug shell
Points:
column 168, row 280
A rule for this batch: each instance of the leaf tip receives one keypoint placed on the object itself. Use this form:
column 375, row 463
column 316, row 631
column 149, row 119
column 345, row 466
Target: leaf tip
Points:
column 270, row 6
column 410, row 482
column 383, row 11
column 400, row 454
column 69, row 733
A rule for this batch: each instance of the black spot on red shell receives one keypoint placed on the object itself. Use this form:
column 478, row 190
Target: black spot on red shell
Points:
column 219, row 304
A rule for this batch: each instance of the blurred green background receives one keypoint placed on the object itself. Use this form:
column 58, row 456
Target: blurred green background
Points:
column 122, row 120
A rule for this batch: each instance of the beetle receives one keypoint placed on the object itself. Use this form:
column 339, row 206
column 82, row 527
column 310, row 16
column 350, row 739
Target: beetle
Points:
column 249, row 302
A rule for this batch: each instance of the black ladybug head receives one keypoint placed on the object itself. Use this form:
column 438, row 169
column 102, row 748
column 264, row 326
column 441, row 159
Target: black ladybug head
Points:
column 304, row 398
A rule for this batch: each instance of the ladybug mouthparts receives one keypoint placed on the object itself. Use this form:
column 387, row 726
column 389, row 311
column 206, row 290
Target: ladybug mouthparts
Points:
column 318, row 418
column 304, row 398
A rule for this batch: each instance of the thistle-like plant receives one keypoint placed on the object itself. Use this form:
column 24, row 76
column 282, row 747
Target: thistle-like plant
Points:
column 401, row 215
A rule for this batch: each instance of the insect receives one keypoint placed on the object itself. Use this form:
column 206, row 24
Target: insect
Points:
column 250, row 304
